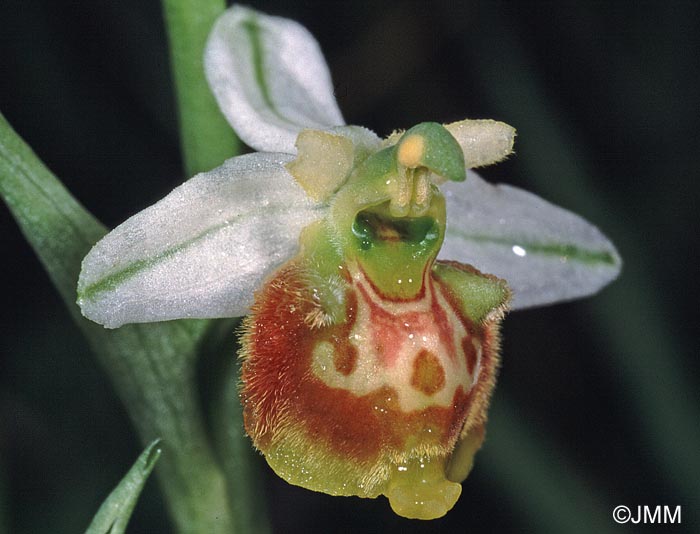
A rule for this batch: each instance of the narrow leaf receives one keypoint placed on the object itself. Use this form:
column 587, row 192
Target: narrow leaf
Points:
column 151, row 366
column 270, row 79
column 544, row 252
column 55, row 224
column 200, row 251
column 114, row 514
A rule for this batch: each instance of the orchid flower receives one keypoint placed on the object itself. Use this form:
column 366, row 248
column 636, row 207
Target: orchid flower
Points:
column 370, row 351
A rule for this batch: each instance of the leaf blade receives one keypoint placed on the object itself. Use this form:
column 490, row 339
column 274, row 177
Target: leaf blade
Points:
column 149, row 365
column 115, row 512
column 57, row 226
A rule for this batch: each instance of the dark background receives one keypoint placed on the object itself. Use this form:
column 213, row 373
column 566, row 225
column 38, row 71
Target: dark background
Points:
column 597, row 402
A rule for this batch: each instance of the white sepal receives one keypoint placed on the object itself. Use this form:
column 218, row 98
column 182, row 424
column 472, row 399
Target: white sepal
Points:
column 545, row 253
column 270, row 79
column 202, row 250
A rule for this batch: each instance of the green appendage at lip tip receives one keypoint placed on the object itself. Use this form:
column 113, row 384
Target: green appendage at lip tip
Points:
column 418, row 489
column 564, row 250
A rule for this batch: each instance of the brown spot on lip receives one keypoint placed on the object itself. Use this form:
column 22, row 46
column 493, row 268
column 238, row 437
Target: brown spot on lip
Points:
column 428, row 374
column 469, row 354
column 344, row 357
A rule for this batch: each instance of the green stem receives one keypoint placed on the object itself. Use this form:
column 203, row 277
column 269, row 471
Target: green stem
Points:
column 151, row 366
column 219, row 373
column 205, row 136
column 207, row 140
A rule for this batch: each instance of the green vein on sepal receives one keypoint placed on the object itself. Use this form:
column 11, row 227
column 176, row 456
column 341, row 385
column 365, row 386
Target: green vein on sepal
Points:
column 558, row 250
column 113, row 280
column 252, row 28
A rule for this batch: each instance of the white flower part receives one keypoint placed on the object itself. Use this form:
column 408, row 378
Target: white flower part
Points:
column 202, row 250
column 546, row 253
column 270, row 79
column 483, row 141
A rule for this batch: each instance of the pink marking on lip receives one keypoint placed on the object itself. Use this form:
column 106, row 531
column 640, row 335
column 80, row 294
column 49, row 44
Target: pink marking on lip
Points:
column 389, row 331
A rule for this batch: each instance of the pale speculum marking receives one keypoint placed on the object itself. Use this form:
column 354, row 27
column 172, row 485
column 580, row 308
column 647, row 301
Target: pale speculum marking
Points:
column 420, row 348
